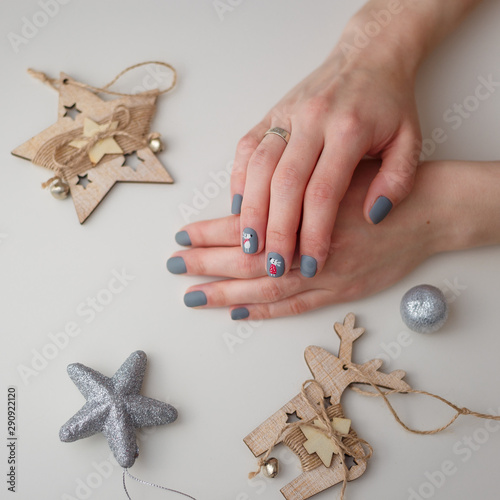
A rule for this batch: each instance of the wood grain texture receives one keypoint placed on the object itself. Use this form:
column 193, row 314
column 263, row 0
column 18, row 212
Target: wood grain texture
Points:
column 334, row 374
column 42, row 149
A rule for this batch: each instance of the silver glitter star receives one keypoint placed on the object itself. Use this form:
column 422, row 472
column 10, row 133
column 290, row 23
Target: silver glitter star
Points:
column 115, row 407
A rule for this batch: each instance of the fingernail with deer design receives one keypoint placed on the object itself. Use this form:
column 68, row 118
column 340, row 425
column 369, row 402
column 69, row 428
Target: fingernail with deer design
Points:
column 275, row 265
column 249, row 240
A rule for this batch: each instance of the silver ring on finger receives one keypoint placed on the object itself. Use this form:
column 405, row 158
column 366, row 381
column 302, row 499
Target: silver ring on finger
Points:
column 284, row 134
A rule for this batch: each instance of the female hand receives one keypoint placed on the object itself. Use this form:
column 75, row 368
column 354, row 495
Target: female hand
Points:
column 346, row 109
column 453, row 206
column 359, row 102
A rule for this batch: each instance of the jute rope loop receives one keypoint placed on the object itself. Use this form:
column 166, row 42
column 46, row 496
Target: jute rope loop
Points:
column 54, row 82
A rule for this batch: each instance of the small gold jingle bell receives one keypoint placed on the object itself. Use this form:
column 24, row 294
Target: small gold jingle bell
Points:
column 155, row 143
column 59, row 188
column 270, row 467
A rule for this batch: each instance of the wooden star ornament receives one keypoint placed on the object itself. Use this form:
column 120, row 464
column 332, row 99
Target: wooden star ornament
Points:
column 92, row 139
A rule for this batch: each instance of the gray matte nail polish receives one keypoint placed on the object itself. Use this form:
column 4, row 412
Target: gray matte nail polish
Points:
column 275, row 265
column 380, row 209
column 249, row 240
column 236, row 205
column 195, row 299
column 182, row 238
column 240, row 313
column 308, row 266
column 176, row 265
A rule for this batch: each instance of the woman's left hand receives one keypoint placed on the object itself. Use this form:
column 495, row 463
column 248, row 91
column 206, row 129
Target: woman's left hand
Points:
column 363, row 259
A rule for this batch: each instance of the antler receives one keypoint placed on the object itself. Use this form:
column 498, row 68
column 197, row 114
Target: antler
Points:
column 348, row 334
column 370, row 373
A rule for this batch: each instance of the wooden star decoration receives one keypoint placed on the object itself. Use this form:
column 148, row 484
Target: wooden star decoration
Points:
column 90, row 144
column 107, row 146
column 319, row 443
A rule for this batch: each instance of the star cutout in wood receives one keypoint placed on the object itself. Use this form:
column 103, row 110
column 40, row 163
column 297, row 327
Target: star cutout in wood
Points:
column 115, row 407
column 51, row 148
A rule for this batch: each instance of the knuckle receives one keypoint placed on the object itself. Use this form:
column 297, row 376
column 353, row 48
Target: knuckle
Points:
column 218, row 296
column 286, row 179
column 247, row 144
column 401, row 179
column 277, row 236
column 245, row 266
column 318, row 105
column 261, row 157
column 297, row 305
column 293, row 282
column 233, row 226
column 319, row 193
column 197, row 266
column 271, row 291
column 318, row 242
column 251, row 212
column 349, row 124
column 262, row 311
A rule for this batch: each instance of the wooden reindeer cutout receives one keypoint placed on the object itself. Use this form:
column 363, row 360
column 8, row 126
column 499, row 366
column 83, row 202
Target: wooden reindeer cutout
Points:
column 322, row 466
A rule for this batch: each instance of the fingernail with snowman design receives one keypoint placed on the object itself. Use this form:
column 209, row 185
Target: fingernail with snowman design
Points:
column 249, row 240
column 275, row 265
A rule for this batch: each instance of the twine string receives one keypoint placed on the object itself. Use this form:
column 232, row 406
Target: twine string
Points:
column 383, row 394
column 127, row 473
column 55, row 83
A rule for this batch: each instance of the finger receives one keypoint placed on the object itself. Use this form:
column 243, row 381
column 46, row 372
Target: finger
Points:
column 216, row 232
column 287, row 191
column 256, row 290
column 296, row 304
column 222, row 262
column 244, row 151
column 395, row 178
column 324, row 192
column 255, row 206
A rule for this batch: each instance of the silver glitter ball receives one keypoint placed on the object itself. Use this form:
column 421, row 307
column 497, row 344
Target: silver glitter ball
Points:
column 59, row 189
column 424, row 309
column 271, row 468
column 156, row 145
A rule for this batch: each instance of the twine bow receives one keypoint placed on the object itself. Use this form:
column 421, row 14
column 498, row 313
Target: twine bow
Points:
column 56, row 153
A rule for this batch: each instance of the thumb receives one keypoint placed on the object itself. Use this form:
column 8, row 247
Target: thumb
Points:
column 394, row 180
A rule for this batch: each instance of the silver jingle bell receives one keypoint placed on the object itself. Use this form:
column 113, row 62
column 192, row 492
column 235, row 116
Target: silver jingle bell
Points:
column 270, row 467
column 59, row 189
column 156, row 144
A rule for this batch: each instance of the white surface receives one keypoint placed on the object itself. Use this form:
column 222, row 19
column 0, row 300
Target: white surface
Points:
column 230, row 73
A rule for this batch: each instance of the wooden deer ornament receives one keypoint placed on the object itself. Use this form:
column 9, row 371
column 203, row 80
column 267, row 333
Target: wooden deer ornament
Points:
column 322, row 466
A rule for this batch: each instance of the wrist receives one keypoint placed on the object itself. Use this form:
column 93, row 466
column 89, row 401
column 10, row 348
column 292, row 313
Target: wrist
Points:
column 382, row 35
column 460, row 204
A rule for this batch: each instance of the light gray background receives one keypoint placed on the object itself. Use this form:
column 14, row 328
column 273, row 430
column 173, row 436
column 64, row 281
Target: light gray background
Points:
column 231, row 71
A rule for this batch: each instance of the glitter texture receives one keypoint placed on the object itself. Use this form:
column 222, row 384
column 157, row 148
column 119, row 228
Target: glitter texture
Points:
column 424, row 309
column 115, row 407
